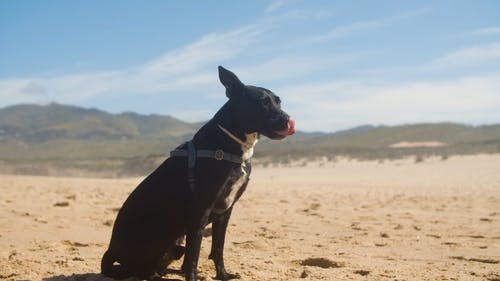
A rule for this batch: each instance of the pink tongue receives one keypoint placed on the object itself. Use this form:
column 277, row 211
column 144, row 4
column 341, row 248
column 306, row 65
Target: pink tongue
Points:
column 290, row 128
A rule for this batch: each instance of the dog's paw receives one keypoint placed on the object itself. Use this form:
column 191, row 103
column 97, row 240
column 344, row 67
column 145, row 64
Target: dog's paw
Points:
column 227, row 276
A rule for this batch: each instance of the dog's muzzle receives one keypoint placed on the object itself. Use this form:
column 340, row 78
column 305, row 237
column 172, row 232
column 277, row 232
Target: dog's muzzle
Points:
column 289, row 130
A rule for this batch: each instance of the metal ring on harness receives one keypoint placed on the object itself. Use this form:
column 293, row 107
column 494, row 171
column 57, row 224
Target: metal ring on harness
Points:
column 219, row 155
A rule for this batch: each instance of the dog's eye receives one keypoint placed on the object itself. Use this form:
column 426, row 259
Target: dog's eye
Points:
column 278, row 100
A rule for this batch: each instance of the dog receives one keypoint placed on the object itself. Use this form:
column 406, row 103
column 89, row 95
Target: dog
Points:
column 197, row 185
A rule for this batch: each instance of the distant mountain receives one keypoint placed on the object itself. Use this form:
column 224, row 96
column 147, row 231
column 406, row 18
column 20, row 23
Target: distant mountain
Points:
column 358, row 129
column 38, row 123
column 308, row 135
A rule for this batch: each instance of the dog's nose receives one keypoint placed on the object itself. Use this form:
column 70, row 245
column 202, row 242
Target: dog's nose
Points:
column 290, row 128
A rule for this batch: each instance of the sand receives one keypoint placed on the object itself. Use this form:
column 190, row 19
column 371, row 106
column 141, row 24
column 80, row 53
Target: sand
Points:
column 393, row 220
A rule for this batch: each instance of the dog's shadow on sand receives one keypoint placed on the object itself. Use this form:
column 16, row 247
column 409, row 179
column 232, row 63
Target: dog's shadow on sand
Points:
column 97, row 277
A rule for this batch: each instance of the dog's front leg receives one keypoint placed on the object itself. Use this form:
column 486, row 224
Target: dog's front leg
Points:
column 193, row 244
column 219, row 226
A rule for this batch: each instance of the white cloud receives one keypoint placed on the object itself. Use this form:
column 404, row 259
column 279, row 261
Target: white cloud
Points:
column 461, row 60
column 288, row 67
column 15, row 91
column 348, row 29
column 198, row 115
column 342, row 104
column 274, row 6
column 486, row 31
column 210, row 49
column 470, row 55
column 77, row 87
column 182, row 69
column 64, row 89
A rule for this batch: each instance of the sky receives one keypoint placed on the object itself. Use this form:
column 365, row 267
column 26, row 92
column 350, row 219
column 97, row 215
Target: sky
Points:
column 335, row 64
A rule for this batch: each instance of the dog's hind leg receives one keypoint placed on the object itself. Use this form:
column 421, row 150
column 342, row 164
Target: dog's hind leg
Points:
column 219, row 226
column 110, row 269
column 174, row 252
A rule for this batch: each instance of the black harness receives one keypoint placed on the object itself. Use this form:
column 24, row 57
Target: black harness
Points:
column 191, row 153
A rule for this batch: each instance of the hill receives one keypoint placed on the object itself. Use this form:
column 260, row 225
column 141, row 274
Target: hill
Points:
column 377, row 142
column 59, row 139
column 37, row 123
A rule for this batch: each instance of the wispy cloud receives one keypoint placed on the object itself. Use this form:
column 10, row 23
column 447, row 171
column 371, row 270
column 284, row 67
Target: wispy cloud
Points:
column 18, row 91
column 210, row 49
column 455, row 62
column 470, row 55
column 276, row 5
column 182, row 69
column 66, row 88
column 289, row 66
column 348, row 29
column 485, row 31
column 342, row 104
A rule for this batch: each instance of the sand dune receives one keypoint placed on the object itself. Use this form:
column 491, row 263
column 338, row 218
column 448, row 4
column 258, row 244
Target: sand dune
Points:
column 406, row 144
column 397, row 220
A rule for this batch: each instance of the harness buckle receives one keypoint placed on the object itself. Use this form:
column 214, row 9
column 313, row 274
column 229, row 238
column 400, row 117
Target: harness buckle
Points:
column 219, row 154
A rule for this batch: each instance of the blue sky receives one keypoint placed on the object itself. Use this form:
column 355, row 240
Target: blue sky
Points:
column 335, row 64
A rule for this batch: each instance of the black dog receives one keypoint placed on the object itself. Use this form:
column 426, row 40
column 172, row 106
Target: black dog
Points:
column 197, row 185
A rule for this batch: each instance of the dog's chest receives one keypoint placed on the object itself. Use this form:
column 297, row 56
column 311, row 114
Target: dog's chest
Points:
column 231, row 190
column 237, row 179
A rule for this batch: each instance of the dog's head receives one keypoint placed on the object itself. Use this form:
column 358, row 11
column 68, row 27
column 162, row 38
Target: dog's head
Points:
column 256, row 109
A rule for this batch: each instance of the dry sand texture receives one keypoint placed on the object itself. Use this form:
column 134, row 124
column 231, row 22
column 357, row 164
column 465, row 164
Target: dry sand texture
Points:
column 400, row 220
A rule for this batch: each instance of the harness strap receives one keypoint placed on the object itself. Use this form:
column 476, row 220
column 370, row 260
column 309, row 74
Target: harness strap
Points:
column 214, row 154
column 191, row 153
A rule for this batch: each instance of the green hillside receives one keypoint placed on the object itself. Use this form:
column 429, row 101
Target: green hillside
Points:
column 36, row 123
column 38, row 139
column 374, row 143
column 67, row 140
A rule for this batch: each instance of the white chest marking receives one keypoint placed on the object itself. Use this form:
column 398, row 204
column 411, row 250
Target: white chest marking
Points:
column 231, row 192
column 229, row 200
column 248, row 145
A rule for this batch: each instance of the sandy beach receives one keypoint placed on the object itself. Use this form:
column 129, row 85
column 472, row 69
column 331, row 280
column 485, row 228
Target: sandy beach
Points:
column 438, row 219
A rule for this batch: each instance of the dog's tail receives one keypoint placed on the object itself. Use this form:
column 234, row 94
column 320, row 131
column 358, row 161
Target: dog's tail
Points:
column 110, row 269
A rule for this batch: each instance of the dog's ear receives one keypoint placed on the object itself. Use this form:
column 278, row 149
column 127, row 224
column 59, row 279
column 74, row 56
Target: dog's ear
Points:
column 231, row 82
